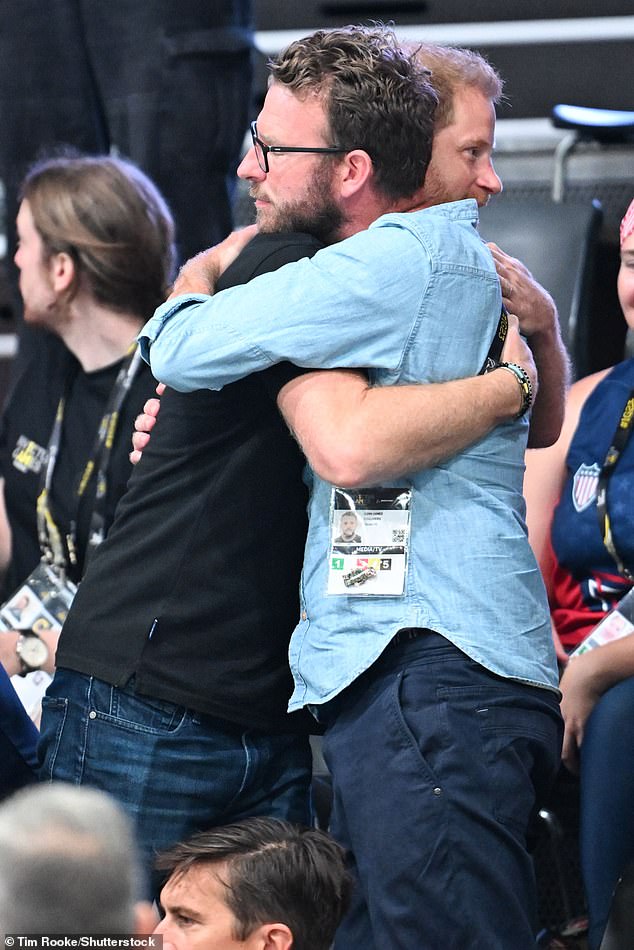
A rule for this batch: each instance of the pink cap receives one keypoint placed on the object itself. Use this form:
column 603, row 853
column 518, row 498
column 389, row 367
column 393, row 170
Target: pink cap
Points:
column 627, row 224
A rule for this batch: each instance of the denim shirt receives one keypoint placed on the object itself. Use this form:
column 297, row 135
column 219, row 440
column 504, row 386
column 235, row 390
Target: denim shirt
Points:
column 415, row 298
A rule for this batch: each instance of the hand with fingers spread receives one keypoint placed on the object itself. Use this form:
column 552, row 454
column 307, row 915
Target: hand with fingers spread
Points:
column 523, row 295
column 200, row 274
column 539, row 322
column 144, row 423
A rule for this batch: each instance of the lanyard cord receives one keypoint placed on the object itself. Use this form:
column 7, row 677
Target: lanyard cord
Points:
column 492, row 360
column 49, row 535
column 619, row 441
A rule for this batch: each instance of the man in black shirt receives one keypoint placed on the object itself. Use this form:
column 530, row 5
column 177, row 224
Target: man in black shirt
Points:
column 186, row 621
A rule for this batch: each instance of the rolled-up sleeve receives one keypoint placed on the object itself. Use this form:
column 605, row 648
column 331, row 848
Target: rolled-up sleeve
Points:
column 346, row 307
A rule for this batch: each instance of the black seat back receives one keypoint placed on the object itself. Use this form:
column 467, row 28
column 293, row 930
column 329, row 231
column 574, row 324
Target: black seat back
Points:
column 557, row 242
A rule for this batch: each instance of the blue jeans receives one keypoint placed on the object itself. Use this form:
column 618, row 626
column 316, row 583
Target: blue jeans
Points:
column 175, row 771
column 607, row 797
column 18, row 740
column 438, row 771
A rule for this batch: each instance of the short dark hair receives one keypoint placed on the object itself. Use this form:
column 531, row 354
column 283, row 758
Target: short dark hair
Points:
column 275, row 872
column 112, row 220
column 377, row 97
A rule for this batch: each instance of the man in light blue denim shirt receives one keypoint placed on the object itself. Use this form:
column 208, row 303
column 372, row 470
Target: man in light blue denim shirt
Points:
column 440, row 699
column 141, row 658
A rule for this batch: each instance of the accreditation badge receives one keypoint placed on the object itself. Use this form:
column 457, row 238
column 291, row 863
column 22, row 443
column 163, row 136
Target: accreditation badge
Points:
column 369, row 541
column 40, row 603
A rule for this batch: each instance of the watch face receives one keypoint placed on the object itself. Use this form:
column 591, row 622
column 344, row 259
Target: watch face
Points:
column 32, row 651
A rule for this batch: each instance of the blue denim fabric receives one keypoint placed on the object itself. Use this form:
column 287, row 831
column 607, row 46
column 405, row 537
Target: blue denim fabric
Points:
column 362, row 302
column 174, row 770
column 18, row 740
column 439, row 768
column 416, row 298
column 607, row 797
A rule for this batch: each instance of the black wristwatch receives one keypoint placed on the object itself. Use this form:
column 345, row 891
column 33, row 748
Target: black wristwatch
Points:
column 32, row 652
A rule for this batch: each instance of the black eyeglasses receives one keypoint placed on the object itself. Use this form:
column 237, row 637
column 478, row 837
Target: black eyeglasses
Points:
column 262, row 150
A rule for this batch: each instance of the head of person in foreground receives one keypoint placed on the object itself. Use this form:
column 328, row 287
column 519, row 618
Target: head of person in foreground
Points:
column 258, row 884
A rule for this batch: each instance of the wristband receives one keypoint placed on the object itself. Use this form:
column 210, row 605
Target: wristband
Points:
column 526, row 387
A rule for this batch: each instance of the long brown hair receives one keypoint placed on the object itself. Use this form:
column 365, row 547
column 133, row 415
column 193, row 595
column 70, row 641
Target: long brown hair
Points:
column 112, row 220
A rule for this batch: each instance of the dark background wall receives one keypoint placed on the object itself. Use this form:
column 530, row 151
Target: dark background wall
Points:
column 593, row 72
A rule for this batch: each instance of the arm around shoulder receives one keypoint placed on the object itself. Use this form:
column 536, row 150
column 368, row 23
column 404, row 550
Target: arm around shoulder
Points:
column 354, row 434
column 539, row 322
column 553, row 366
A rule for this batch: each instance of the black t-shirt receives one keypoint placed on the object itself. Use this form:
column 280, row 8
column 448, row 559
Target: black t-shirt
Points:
column 195, row 590
column 24, row 437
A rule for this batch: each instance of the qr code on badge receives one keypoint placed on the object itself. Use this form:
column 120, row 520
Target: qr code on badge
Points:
column 398, row 535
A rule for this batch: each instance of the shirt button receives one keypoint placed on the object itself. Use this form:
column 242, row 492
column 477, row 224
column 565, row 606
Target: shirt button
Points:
column 304, row 615
column 92, row 714
column 437, row 791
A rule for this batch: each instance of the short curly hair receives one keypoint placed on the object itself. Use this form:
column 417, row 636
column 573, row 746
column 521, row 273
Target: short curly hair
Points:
column 377, row 97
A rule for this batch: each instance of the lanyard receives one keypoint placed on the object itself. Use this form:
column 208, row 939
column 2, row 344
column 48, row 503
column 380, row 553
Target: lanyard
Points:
column 619, row 440
column 51, row 544
column 495, row 350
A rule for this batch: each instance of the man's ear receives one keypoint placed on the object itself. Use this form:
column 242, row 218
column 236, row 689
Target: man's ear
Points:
column 274, row 937
column 355, row 171
column 62, row 270
column 145, row 918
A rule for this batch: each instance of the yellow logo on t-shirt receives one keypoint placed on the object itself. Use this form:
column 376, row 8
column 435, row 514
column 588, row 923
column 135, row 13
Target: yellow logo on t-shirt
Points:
column 28, row 456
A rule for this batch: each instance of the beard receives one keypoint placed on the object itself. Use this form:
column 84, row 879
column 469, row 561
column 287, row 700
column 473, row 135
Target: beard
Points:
column 434, row 189
column 437, row 190
column 315, row 213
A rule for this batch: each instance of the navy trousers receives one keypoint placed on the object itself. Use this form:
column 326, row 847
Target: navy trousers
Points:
column 18, row 740
column 439, row 768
